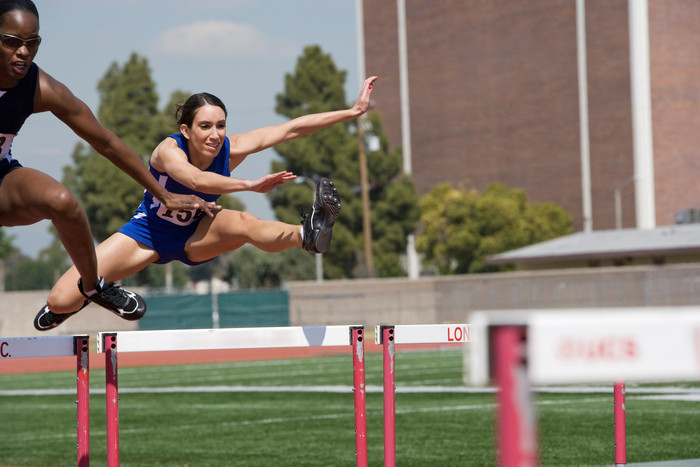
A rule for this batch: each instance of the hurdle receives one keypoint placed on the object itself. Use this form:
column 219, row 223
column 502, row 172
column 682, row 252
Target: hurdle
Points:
column 620, row 417
column 387, row 336
column 111, row 343
column 61, row 346
column 519, row 348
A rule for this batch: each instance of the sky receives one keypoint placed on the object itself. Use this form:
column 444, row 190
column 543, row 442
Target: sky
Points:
column 238, row 50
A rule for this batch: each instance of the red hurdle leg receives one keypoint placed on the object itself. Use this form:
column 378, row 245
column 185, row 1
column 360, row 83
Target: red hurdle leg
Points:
column 358, row 373
column 112, row 396
column 515, row 421
column 389, row 380
column 620, row 423
column 82, row 354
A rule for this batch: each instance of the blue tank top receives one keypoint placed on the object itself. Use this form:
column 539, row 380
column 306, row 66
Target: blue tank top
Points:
column 163, row 216
column 16, row 105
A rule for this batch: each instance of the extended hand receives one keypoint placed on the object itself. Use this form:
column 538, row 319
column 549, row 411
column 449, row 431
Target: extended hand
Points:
column 271, row 181
column 178, row 201
column 363, row 101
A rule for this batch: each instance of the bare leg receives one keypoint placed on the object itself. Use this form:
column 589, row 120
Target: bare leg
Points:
column 230, row 230
column 28, row 196
column 119, row 256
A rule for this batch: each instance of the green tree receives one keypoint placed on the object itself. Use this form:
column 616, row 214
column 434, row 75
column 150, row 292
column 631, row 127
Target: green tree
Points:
column 55, row 257
column 317, row 86
column 461, row 227
column 19, row 272
column 255, row 269
column 129, row 107
column 29, row 274
column 7, row 250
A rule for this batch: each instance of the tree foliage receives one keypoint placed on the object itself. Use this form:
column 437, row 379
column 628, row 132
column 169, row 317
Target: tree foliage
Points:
column 55, row 257
column 129, row 107
column 28, row 274
column 19, row 272
column 7, row 249
column 318, row 86
column 256, row 269
column 461, row 227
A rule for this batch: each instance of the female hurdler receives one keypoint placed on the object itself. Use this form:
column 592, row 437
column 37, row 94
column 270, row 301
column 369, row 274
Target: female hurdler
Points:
column 27, row 195
column 198, row 160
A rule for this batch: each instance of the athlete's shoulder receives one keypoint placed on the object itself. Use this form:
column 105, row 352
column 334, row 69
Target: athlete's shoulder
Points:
column 53, row 95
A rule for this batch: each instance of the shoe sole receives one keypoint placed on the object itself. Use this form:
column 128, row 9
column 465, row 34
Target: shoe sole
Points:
column 327, row 195
column 44, row 309
column 38, row 325
column 328, row 202
column 135, row 315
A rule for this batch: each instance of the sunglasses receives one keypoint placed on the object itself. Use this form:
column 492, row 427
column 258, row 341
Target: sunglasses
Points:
column 14, row 42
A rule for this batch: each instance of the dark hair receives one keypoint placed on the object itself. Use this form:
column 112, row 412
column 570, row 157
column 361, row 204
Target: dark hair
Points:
column 185, row 112
column 22, row 5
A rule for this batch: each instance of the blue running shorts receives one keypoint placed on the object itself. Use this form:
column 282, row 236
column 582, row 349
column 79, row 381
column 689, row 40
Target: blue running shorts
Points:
column 8, row 166
column 169, row 242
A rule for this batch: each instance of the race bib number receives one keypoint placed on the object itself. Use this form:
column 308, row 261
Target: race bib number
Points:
column 179, row 217
column 5, row 144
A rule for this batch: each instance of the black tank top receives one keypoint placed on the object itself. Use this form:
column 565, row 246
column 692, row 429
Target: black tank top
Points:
column 17, row 103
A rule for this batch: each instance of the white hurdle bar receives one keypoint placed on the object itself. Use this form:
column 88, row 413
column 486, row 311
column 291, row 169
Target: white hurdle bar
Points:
column 61, row 346
column 233, row 338
column 517, row 348
column 387, row 336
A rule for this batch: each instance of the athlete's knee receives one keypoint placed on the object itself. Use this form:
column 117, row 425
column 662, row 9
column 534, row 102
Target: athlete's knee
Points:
column 61, row 301
column 63, row 203
column 248, row 217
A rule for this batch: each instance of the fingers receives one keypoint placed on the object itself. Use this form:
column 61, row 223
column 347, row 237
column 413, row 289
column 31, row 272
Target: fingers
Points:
column 208, row 207
column 180, row 201
column 363, row 101
column 271, row 181
column 369, row 84
column 283, row 176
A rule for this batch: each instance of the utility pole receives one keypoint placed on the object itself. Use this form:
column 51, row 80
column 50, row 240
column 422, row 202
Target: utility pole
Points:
column 364, row 183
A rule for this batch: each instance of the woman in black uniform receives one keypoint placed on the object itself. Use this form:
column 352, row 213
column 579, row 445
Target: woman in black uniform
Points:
column 28, row 195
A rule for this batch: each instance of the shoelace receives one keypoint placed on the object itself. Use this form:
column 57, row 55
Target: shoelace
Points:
column 113, row 295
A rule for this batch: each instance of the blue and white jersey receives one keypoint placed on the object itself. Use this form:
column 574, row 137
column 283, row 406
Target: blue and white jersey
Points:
column 158, row 213
column 16, row 105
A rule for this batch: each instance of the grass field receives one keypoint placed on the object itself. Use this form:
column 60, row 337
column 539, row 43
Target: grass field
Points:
column 299, row 412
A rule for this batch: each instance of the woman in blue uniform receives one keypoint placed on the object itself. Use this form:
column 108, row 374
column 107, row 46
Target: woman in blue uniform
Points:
column 28, row 196
column 198, row 161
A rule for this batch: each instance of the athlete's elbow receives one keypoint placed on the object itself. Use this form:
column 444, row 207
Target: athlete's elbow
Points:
column 194, row 183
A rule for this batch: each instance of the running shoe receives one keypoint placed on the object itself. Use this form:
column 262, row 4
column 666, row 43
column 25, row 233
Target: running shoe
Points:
column 47, row 319
column 318, row 224
column 121, row 302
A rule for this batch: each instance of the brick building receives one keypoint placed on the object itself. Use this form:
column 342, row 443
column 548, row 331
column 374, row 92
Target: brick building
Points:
column 494, row 97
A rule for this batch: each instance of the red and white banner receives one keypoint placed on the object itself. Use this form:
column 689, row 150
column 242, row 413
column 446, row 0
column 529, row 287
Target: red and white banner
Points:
column 596, row 345
column 614, row 345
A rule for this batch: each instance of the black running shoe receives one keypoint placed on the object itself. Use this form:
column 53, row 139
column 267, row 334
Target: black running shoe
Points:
column 121, row 302
column 318, row 224
column 47, row 319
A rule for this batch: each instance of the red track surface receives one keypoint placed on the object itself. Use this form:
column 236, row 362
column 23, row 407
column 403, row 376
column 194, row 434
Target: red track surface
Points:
column 97, row 361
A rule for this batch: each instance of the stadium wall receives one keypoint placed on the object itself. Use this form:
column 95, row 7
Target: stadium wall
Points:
column 452, row 299
column 385, row 301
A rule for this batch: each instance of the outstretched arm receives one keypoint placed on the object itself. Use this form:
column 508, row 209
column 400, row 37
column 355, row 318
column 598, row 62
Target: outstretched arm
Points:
column 256, row 140
column 168, row 157
column 57, row 98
